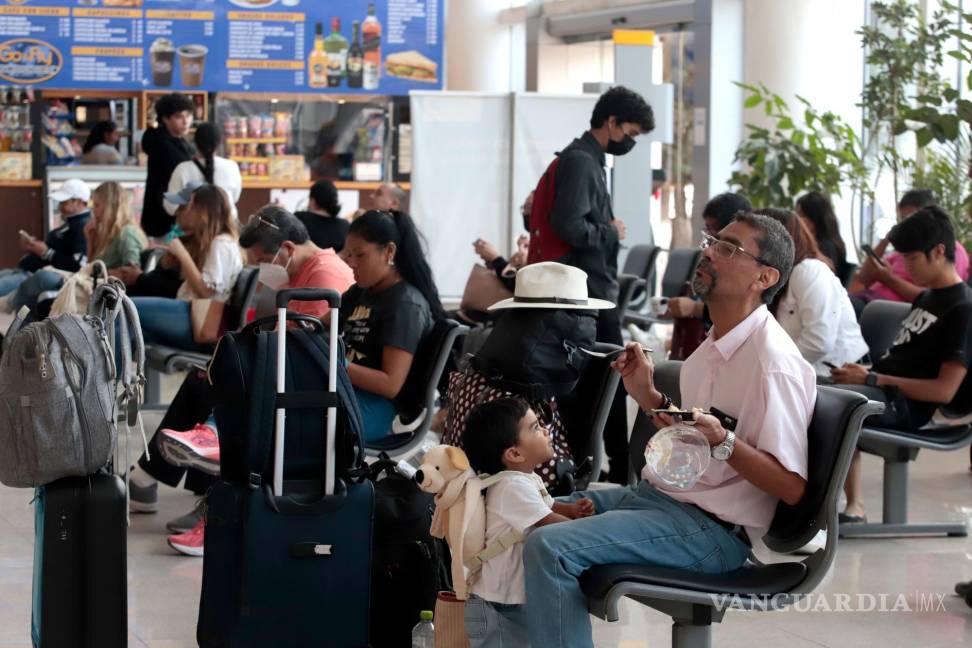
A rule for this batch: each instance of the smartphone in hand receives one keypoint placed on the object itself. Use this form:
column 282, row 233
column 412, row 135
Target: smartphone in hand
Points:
column 871, row 253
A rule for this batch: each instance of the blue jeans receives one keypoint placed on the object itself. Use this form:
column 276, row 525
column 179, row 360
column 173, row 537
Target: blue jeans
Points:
column 634, row 525
column 495, row 625
column 10, row 279
column 167, row 322
column 33, row 287
column 377, row 414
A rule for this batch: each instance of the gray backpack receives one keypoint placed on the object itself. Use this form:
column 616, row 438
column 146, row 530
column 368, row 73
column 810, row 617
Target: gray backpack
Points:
column 59, row 393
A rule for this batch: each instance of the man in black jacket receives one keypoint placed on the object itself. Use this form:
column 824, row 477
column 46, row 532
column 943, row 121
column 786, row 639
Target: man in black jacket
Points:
column 583, row 218
column 166, row 148
column 65, row 248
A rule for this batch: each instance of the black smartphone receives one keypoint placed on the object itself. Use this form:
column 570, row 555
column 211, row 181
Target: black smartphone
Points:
column 870, row 252
column 728, row 422
column 830, row 364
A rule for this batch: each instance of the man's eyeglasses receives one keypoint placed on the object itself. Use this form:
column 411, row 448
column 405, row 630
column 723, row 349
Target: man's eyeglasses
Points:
column 727, row 250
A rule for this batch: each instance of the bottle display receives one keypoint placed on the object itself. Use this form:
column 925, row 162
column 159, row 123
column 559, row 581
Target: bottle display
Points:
column 336, row 47
column 317, row 61
column 371, row 37
column 355, row 63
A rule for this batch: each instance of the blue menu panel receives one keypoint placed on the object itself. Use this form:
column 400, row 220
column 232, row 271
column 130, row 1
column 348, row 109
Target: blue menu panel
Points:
column 339, row 46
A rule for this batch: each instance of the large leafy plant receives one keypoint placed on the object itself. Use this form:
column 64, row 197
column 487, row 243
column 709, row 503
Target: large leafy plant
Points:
column 813, row 151
column 942, row 124
column 903, row 55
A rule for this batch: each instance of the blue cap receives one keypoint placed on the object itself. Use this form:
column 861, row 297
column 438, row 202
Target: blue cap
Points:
column 182, row 198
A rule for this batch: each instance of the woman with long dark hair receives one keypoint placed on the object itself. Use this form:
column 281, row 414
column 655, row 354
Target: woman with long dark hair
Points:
column 99, row 148
column 386, row 314
column 813, row 307
column 817, row 212
column 206, row 166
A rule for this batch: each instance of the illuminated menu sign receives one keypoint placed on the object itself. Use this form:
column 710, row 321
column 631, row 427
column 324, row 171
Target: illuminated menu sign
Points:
column 339, row 46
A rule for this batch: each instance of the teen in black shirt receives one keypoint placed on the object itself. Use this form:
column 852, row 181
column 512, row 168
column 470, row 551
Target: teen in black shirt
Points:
column 927, row 365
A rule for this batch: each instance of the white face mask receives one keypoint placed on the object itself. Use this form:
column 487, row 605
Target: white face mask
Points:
column 274, row 276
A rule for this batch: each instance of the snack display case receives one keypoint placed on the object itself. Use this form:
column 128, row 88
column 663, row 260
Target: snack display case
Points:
column 280, row 139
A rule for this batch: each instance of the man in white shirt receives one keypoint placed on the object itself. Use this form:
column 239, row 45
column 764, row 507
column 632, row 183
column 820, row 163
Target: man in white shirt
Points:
column 749, row 369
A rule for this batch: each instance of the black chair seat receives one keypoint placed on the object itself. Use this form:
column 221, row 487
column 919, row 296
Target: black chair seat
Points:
column 945, row 435
column 750, row 579
column 163, row 358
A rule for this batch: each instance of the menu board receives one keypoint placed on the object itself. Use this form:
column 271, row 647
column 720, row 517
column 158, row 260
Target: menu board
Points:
column 341, row 46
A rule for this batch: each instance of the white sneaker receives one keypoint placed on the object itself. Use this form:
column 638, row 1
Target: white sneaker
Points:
column 816, row 543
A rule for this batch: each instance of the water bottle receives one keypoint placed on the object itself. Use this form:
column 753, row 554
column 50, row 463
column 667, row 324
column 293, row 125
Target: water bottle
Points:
column 423, row 634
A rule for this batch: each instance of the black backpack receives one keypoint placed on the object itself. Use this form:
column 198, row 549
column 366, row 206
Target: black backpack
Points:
column 534, row 352
column 243, row 373
column 408, row 567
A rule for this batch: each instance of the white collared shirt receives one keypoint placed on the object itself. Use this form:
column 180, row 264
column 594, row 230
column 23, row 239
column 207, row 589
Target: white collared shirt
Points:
column 818, row 315
column 755, row 374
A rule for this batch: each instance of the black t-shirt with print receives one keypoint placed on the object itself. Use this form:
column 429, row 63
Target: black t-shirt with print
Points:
column 398, row 317
column 937, row 330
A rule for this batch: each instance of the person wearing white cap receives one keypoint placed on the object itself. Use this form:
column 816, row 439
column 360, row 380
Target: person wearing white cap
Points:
column 65, row 248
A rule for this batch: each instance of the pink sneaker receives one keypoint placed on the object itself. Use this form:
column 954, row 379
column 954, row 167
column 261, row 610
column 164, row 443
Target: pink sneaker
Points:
column 195, row 448
column 189, row 543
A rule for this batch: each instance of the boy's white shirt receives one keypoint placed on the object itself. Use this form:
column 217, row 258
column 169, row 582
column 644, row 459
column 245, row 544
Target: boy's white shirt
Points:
column 515, row 503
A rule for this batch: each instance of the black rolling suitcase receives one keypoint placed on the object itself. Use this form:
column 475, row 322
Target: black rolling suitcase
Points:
column 287, row 555
column 80, row 568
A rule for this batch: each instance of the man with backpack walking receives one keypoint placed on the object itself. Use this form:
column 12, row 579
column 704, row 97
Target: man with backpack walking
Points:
column 572, row 222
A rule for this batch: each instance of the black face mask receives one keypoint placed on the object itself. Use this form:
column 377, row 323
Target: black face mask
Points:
column 622, row 147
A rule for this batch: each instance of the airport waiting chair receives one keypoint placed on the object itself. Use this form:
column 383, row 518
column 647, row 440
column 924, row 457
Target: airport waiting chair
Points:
column 880, row 323
column 694, row 600
column 161, row 359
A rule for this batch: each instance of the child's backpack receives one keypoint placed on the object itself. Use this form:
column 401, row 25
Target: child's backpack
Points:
column 59, row 393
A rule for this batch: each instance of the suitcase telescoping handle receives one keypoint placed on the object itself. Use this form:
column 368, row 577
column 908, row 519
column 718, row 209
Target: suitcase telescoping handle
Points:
column 284, row 297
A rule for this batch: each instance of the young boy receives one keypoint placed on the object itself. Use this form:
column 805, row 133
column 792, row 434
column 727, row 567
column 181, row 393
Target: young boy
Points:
column 928, row 363
column 505, row 436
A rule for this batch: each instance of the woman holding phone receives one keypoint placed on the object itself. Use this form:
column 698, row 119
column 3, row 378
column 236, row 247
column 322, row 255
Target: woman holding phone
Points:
column 813, row 307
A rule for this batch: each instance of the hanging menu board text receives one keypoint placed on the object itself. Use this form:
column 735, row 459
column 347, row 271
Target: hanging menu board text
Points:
column 340, row 46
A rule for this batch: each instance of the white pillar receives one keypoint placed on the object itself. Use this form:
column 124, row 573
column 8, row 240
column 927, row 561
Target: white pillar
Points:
column 479, row 48
column 806, row 48
column 809, row 48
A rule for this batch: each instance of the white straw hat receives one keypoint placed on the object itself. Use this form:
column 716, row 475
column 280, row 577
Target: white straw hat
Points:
column 551, row 285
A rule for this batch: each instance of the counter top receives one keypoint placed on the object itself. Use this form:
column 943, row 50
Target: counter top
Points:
column 306, row 184
column 22, row 183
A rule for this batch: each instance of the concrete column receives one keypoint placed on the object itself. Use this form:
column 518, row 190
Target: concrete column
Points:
column 479, row 47
column 719, row 43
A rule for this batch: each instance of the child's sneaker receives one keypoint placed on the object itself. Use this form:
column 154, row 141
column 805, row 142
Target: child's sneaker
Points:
column 195, row 448
column 189, row 543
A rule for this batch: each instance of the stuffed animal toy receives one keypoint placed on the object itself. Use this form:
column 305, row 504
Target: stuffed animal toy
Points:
column 460, row 510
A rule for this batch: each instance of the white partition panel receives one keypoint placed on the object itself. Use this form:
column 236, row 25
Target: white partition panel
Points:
column 543, row 125
column 460, row 178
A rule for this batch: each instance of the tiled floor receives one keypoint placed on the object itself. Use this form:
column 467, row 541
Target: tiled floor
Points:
column 164, row 587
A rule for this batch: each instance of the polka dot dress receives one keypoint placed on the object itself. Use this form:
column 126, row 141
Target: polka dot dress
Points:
column 470, row 388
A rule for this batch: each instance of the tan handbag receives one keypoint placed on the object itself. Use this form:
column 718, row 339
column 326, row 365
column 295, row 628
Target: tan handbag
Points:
column 207, row 320
column 75, row 292
column 450, row 627
column 483, row 289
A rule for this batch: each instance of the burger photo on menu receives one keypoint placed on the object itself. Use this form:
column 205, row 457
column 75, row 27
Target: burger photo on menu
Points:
column 411, row 65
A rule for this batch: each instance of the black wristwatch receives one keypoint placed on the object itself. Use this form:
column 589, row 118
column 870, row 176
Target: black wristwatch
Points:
column 871, row 380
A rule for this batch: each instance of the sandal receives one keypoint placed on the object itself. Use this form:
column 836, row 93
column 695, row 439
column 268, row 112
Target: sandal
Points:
column 844, row 518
